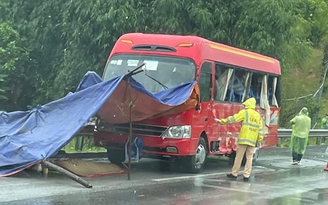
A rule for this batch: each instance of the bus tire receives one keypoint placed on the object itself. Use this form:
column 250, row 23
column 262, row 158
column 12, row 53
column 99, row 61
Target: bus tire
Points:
column 195, row 163
column 116, row 156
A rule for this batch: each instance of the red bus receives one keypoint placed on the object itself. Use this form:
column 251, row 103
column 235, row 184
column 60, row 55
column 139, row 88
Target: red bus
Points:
column 226, row 76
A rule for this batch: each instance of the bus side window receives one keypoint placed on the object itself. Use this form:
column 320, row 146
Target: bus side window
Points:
column 256, row 87
column 273, row 91
column 247, row 83
column 238, row 86
column 222, row 77
column 205, row 82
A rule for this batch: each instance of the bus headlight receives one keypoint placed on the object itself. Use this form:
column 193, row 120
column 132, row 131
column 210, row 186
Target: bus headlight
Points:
column 177, row 132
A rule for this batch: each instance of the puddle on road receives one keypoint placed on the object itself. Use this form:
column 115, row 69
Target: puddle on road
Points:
column 317, row 197
column 260, row 167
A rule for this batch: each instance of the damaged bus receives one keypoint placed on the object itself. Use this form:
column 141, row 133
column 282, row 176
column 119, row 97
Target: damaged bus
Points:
column 225, row 77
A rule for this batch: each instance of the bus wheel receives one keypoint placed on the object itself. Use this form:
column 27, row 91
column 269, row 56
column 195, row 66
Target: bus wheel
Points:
column 195, row 163
column 116, row 156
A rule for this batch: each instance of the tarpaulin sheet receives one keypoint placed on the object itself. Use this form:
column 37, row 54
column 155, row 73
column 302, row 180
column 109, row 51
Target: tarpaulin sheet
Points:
column 27, row 137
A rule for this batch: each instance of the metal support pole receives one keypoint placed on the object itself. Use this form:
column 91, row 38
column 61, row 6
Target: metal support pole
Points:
column 78, row 143
column 131, row 105
column 279, row 142
column 319, row 93
column 67, row 173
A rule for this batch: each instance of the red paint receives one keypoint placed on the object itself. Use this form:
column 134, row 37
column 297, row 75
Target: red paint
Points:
column 199, row 52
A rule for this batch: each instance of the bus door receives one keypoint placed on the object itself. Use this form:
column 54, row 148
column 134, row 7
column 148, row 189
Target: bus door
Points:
column 202, row 117
column 221, row 106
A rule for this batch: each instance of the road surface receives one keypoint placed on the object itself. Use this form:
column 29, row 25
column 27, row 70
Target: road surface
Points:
column 274, row 181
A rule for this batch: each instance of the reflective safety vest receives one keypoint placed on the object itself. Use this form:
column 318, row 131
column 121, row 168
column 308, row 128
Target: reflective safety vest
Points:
column 251, row 130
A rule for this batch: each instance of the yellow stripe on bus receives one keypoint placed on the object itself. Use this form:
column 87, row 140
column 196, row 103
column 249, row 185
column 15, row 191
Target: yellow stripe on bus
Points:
column 241, row 53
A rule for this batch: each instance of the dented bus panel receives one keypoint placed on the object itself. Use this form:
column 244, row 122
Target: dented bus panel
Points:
column 225, row 76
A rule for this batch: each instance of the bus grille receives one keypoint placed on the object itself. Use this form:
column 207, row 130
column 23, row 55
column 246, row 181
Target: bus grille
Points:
column 137, row 129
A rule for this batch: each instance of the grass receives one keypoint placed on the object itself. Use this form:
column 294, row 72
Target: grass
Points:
column 305, row 80
column 82, row 144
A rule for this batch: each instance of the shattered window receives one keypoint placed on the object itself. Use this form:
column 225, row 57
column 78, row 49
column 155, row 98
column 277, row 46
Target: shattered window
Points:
column 256, row 87
column 222, row 78
column 237, row 88
column 273, row 91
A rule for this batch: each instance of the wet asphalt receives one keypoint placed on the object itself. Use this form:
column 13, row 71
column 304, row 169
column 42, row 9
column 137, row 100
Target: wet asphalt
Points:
column 274, row 182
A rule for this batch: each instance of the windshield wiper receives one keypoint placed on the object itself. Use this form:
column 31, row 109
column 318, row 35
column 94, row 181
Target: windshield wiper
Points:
column 157, row 81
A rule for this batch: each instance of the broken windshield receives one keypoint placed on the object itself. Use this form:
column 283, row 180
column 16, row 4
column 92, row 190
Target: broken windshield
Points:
column 160, row 72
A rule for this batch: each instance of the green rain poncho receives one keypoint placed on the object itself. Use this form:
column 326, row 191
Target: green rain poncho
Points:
column 300, row 134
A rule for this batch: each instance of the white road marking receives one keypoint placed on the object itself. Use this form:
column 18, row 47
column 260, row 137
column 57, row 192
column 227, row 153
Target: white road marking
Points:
column 230, row 189
column 215, row 180
column 203, row 175
column 188, row 177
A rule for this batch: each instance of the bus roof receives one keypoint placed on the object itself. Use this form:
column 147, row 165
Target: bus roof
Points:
column 199, row 49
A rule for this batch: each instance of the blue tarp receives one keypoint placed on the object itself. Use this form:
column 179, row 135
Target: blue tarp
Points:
column 26, row 137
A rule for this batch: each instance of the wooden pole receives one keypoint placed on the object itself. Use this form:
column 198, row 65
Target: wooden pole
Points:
column 67, row 173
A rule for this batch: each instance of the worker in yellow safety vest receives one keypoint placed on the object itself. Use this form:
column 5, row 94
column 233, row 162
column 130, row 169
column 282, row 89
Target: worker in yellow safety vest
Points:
column 250, row 133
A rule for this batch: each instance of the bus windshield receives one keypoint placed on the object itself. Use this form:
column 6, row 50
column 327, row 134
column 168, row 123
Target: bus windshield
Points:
column 160, row 72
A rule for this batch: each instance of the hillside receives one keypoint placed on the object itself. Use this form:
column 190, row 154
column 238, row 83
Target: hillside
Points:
column 303, row 81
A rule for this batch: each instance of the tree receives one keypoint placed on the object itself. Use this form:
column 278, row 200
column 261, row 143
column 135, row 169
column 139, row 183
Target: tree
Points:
column 16, row 71
column 64, row 39
column 3, row 87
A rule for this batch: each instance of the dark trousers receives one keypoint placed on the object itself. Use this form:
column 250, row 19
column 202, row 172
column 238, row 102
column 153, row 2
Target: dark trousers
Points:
column 297, row 157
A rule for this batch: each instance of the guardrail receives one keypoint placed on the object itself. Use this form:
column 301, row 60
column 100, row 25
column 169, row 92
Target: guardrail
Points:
column 319, row 134
column 283, row 134
column 286, row 133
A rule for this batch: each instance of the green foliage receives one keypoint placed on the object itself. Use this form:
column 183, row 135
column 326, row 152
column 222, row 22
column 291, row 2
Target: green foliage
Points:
column 54, row 43
column 249, row 24
column 17, row 75
column 267, row 26
column 3, row 87
column 290, row 109
column 317, row 16
column 86, row 146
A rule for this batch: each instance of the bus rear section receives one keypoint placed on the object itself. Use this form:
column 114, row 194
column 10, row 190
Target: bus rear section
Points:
column 187, row 136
